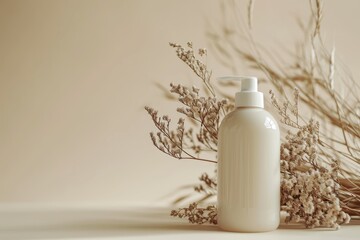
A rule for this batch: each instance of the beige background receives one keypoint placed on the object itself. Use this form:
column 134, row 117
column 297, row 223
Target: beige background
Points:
column 75, row 76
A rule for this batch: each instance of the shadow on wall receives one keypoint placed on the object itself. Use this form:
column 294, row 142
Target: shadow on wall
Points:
column 81, row 223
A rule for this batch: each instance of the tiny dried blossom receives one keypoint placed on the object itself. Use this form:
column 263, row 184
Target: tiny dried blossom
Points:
column 202, row 51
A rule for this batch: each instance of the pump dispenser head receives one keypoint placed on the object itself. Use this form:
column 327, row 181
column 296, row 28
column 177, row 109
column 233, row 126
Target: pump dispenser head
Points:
column 249, row 95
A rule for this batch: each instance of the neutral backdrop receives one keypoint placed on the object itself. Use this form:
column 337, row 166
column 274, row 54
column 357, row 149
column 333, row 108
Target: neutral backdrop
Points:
column 75, row 76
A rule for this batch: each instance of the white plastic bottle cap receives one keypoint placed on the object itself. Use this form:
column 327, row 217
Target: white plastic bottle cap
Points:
column 249, row 95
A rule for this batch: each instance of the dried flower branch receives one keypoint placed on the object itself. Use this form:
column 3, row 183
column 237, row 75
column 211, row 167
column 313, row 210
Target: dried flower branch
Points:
column 250, row 12
column 205, row 111
column 169, row 141
column 197, row 215
column 208, row 185
column 198, row 67
column 287, row 106
column 317, row 13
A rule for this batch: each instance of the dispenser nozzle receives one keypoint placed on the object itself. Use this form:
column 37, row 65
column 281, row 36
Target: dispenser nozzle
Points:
column 247, row 83
column 249, row 95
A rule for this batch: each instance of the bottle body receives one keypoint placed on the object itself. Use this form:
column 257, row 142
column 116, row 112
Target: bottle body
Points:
column 249, row 171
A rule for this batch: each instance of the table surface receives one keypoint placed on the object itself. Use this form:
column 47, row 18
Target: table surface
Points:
column 19, row 221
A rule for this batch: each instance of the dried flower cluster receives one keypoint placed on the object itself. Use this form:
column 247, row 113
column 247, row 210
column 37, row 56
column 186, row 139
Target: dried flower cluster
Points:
column 197, row 214
column 309, row 185
column 205, row 111
column 317, row 186
column 198, row 67
column 166, row 140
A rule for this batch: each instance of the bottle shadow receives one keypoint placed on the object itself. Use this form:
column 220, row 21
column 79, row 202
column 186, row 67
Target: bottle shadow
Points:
column 60, row 223
column 74, row 223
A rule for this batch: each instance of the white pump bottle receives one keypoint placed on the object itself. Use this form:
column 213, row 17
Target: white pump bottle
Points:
column 248, row 164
